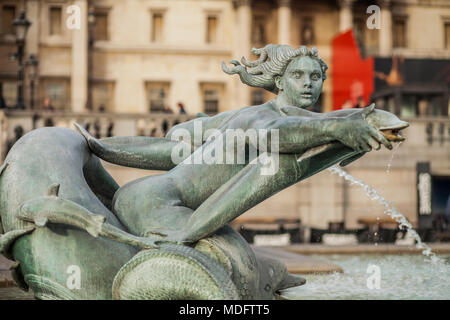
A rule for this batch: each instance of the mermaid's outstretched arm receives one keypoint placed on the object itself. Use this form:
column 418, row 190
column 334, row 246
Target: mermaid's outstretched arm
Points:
column 250, row 186
column 137, row 152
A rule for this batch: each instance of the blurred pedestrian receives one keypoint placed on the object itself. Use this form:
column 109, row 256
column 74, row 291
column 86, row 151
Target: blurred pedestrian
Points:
column 360, row 103
column 48, row 122
column 48, row 105
column 18, row 133
column 347, row 104
column 2, row 100
column 109, row 131
column 447, row 210
column 181, row 109
column 167, row 109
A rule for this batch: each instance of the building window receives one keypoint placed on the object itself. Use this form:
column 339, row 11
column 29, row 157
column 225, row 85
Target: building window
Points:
column 211, row 29
column 399, row 32
column 157, row 96
column 101, row 25
column 257, row 97
column 447, row 35
column 102, row 96
column 211, row 101
column 157, row 26
column 56, row 91
column 259, row 37
column 212, row 96
column 8, row 93
column 307, row 31
column 55, row 20
column 8, row 16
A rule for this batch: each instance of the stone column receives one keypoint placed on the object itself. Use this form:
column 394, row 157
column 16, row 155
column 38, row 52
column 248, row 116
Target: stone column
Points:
column 79, row 79
column 243, row 46
column 345, row 15
column 385, row 32
column 284, row 21
column 32, row 40
column 32, row 47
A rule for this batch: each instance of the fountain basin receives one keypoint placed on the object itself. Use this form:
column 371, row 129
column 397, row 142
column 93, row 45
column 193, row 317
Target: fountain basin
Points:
column 402, row 277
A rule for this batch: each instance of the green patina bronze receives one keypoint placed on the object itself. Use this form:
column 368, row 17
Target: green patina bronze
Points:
column 167, row 236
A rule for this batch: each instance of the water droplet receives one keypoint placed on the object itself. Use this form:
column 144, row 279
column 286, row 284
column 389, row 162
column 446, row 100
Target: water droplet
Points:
column 396, row 147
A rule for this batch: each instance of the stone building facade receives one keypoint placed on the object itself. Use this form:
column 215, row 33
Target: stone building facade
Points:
column 127, row 55
column 143, row 56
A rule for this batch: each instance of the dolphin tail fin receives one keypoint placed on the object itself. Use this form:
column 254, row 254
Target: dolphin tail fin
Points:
column 95, row 145
column 83, row 132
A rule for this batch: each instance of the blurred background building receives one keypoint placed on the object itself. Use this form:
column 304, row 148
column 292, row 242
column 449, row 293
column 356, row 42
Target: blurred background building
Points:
column 128, row 64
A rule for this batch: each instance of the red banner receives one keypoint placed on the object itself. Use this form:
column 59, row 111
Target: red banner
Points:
column 352, row 75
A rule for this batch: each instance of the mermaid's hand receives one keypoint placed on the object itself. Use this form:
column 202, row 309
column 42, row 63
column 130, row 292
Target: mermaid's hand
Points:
column 355, row 132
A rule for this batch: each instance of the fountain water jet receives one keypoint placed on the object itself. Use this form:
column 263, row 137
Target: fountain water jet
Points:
column 394, row 151
column 390, row 210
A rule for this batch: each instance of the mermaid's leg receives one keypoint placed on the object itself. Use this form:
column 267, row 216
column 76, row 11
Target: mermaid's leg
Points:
column 249, row 187
column 150, row 203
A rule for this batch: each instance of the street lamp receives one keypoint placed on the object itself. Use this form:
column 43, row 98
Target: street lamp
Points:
column 91, row 39
column 91, row 25
column 32, row 64
column 21, row 26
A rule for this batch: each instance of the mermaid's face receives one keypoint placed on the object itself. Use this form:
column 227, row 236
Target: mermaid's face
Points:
column 302, row 82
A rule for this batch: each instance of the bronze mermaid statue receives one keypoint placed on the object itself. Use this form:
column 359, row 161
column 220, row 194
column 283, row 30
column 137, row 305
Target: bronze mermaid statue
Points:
column 167, row 236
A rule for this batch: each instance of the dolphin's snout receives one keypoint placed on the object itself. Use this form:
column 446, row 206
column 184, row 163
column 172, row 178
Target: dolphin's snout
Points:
column 392, row 133
column 389, row 124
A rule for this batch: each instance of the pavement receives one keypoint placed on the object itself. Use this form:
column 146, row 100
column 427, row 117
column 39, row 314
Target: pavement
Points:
column 14, row 293
column 5, row 275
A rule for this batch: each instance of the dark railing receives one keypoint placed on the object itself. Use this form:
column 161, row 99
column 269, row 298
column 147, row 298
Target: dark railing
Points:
column 423, row 132
column 14, row 124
